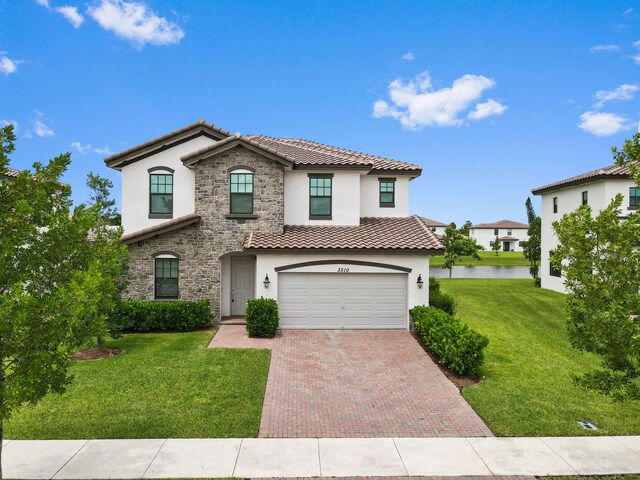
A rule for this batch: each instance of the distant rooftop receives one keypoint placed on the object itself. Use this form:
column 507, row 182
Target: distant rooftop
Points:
column 612, row 171
column 502, row 224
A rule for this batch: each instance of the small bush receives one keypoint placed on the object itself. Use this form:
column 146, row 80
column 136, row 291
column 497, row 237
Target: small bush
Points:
column 143, row 316
column 261, row 316
column 456, row 345
column 443, row 301
column 434, row 284
column 537, row 282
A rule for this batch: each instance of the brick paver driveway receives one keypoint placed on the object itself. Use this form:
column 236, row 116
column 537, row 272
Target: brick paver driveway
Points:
column 355, row 383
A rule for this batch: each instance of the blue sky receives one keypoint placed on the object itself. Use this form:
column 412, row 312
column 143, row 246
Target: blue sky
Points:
column 491, row 98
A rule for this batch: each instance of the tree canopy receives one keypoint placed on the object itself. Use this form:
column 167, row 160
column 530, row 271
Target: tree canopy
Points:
column 532, row 249
column 457, row 245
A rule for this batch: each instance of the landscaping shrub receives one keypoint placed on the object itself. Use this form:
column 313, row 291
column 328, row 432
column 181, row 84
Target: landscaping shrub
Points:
column 261, row 316
column 142, row 316
column 456, row 345
column 443, row 301
column 434, row 284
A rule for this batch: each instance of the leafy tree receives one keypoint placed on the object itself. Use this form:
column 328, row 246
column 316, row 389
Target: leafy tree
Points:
column 599, row 258
column 60, row 275
column 100, row 194
column 457, row 245
column 464, row 229
column 532, row 249
column 496, row 246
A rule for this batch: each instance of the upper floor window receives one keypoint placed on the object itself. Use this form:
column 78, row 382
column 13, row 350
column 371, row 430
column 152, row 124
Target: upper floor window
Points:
column 241, row 192
column 495, row 232
column 161, row 194
column 555, row 204
column 634, row 197
column 166, row 277
column 320, row 196
column 433, row 229
column 585, row 198
column 509, row 232
column 387, row 192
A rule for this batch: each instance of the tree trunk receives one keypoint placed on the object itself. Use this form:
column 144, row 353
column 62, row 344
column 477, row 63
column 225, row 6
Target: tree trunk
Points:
column 100, row 348
column 450, row 268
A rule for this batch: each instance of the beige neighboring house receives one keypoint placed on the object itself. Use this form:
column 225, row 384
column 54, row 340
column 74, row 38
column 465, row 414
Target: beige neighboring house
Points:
column 510, row 234
column 436, row 227
column 225, row 217
column 596, row 188
column 10, row 173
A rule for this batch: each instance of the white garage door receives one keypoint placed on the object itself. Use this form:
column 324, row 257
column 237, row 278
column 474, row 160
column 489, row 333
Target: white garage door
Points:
column 334, row 300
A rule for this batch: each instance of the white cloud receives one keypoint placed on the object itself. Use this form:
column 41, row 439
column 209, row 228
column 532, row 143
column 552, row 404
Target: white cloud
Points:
column 7, row 65
column 39, row 127
column 604, row 48
column 44, row 3
column 416, row 104
column 103, row 151
column 71, row 14
column 135, row 22
column 623, row 92
column 602, row 124
column 409, row 57
column 628, row 11
column 84, row 149
column 636, row 57
column 487, row 109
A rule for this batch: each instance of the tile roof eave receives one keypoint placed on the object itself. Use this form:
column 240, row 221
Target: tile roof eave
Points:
column 231, row 142
column 413, row 251
column 572, row 183
column 160, row 229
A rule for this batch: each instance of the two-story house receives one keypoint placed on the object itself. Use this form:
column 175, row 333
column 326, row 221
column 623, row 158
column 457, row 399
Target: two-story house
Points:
column 436, row 227
column 511, row 235
column 596, row 188
column 227, row 217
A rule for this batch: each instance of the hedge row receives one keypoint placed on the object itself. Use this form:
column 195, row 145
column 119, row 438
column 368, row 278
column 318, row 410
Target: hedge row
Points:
column 456, row 345
column 143, row 316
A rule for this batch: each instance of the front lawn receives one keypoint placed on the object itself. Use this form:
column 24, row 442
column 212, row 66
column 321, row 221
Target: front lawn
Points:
column 527, row 387
column 164, row 385
column 504, row 259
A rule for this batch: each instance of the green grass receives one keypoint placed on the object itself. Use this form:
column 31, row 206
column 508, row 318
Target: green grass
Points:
column 504, row 259
column 163, row 385
column 527, row 386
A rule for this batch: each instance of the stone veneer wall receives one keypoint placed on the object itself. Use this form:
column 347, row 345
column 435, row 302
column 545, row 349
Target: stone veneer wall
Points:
column 200, row 246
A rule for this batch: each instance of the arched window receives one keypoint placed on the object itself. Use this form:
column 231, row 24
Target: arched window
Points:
column 161, row 192
column 166, row 270
column 241, row 191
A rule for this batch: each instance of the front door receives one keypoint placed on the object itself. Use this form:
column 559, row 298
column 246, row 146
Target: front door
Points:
column 507, row 246
column 241, row 283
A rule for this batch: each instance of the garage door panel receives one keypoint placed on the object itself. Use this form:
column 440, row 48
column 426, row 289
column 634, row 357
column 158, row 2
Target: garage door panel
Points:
column 332, row 300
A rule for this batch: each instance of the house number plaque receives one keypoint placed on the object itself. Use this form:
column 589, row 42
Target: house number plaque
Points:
column 343, row 270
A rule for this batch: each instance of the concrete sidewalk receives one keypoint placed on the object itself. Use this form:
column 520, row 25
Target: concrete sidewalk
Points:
column 325, row 457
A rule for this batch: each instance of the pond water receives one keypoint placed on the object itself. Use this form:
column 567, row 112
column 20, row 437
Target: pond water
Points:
column 481, row 271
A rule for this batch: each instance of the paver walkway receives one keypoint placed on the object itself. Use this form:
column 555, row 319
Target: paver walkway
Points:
column 355, row 383
column 324, row 457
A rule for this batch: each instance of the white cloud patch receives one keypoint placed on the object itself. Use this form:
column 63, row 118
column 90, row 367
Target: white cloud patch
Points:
column 487, row 109
column 636, row 57
column 103, row 151
column 604, row 48
column 71, row 14
column 8, row 65
column 39, row 127
column 135, row 22
column 417, row 104
column 84, row 149
column 628, row 11
column 408, row 57
column 602, row 124
column 623, row 92
column 44, row 3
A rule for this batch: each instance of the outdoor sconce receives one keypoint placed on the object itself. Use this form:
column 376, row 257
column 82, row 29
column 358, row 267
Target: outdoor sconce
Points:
column 420, row 282
column 266, row 281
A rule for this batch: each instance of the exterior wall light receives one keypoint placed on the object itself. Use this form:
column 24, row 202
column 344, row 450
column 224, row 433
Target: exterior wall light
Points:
column 420, row 283
column 266, row 282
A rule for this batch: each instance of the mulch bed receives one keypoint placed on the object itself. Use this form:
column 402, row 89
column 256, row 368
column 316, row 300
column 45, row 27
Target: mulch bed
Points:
column 458, row 380
column 94, row 354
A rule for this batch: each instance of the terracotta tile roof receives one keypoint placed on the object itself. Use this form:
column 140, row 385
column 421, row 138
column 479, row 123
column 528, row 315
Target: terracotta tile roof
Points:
column 509, row 239
column 308, row 153
column 502, row 224
column 381, row 233
column 434, row 223
column 612, row 171
column 161, row 228
column 11, row 172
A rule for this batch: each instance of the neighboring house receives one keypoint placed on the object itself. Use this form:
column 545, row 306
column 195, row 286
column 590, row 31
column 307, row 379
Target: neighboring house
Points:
column 596, row 188
column 10, row 173
column 326, row 231
column 436, row 227
column 510, row 234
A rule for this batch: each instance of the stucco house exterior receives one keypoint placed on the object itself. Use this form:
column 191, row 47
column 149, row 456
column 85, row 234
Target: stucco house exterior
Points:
column 227, row 217
column 436, row 227
column 510, row 234
column 596, row 188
